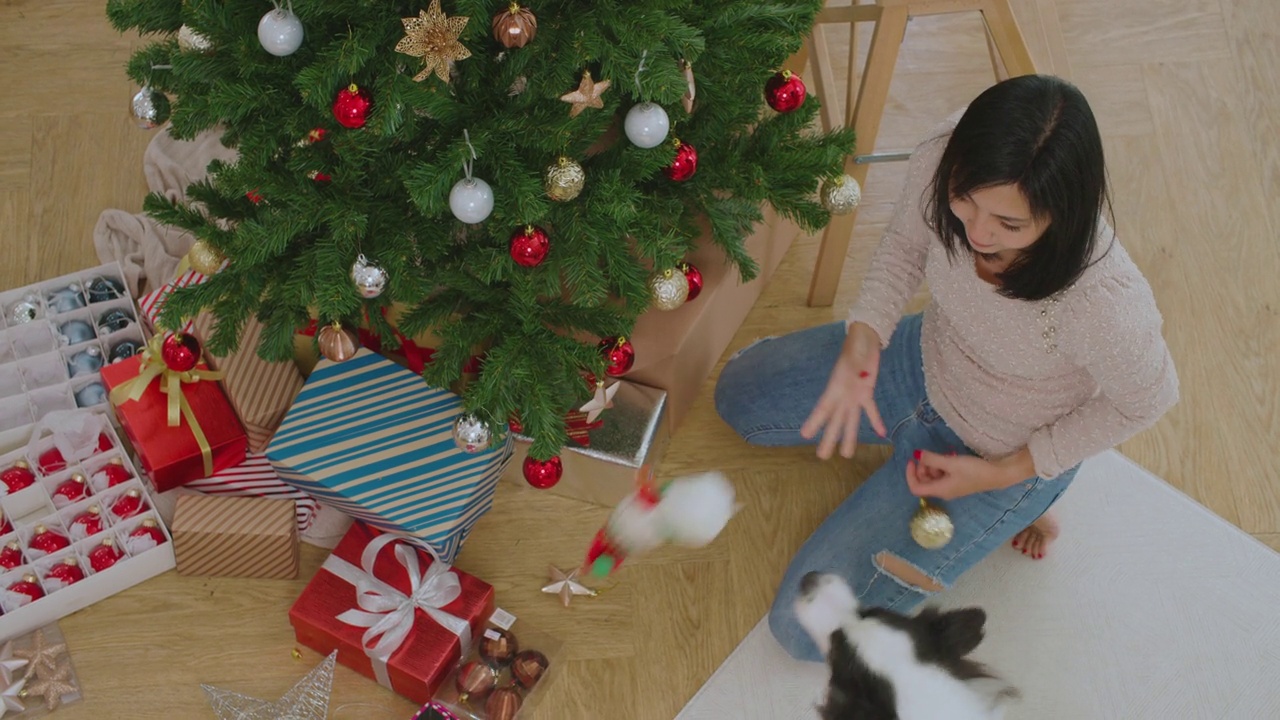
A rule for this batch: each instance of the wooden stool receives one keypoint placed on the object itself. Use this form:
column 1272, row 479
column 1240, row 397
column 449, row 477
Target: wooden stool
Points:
column 1004, row 43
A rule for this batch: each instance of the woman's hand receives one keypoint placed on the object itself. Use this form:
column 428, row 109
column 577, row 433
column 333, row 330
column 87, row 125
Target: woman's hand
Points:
column 850, row 391
column 948, row 477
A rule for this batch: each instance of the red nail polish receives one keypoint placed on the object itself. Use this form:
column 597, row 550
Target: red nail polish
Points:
column 918, row 454
column 864, row 374
column 1015, row 543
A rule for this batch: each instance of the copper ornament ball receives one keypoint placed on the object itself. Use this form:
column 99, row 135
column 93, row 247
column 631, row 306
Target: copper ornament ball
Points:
column 498, row 647
column 503, row 704
column 515, row 27
column 528, row 667
column 337, row 343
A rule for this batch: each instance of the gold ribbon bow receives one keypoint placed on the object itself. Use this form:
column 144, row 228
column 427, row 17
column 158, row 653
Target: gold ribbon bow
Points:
column 152, row 366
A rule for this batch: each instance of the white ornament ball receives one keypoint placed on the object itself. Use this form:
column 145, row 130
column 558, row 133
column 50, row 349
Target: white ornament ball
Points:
column 471, row 200
column 471, row 434
column 370, row 280
column 191, row 41
column 841, row 195
column 670, row 289
column 647, row 125
column 280, row 32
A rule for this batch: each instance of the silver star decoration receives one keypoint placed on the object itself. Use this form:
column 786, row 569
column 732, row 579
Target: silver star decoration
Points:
column 9, row 697
column 601, row 402
column 307, row 700
column 566, row 585
column 9, row 663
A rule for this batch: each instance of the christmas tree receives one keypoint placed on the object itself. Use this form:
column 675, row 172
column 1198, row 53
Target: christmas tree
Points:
column 522, row 179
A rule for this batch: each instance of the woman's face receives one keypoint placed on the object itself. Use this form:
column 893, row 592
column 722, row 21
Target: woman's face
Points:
column 998, row 219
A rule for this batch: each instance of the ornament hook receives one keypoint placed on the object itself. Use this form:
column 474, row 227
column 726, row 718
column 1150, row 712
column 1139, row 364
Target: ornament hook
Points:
column 467, row 164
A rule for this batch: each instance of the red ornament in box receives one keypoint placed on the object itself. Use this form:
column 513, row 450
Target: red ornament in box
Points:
column 89, row 521
column 116, row 472
column 685, row 163
column 71, row 490
column 543, row 474
column 51, row 460
column 619, row 354
column 105, row 555
column 529, row 246
column 127, row 505
column 11, row 555
column 46, row 540
column 68, row 571
column 785, row 91
column 29, row 585
column 148, row 529
column 351, row 106
column 18, row 476
column 329, row 615
column 694, row 276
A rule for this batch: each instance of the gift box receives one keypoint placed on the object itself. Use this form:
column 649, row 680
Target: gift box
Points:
column 260, row 391
column 603, row 458
column 256, row 477
column 246, row 537
column 373, row 440
column 151, row 304
column 392, row 612
column 78, row 524
column 676, row 350
column 181, row 435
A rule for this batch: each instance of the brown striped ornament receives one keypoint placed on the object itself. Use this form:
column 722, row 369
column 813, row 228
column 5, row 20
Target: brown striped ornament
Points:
column 245, row 537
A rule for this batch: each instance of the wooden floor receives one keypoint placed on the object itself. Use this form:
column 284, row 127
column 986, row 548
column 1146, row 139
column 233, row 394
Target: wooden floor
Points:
column 1188, row 96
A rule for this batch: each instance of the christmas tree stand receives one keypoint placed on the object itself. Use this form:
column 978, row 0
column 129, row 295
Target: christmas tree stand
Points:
column 868, row 91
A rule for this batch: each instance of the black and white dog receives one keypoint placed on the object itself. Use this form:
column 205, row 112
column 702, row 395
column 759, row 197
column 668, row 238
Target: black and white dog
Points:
column 888, row 666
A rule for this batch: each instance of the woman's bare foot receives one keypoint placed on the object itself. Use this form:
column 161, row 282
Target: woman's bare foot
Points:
column 1034, row 541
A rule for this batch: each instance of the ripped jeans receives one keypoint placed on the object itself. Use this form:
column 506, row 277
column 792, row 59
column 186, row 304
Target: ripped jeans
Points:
column 768, row 390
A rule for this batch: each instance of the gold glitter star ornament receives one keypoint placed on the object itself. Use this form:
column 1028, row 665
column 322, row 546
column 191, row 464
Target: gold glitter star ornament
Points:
column 587, row 95
column 434, row 38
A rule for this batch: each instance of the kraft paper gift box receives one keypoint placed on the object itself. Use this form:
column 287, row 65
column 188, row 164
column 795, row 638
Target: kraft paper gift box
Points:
column 393, row 613
column 152, row 304
column 371, row 439
column 260, row 391
column 676, row 350
column 256, row 477
column 603, row 458
column 244, row 537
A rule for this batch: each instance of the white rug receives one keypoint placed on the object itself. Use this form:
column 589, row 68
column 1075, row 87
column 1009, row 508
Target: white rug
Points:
column 1150, row 607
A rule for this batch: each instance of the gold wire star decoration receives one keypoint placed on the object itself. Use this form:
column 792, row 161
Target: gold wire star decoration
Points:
column 51, row 685
column 306, row 700
column 434, row 38
column 587, row 95
column 566, row 585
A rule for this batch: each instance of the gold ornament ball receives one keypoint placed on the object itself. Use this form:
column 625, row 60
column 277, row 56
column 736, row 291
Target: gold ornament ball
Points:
column 337, row 343
column 191, row 41
column 565, row 180
column 204, row 258
column 931, row 526
column 670, row 288
column 840, row 196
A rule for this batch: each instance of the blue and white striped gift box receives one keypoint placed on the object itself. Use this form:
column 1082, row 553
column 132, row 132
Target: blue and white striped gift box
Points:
column 372, row 439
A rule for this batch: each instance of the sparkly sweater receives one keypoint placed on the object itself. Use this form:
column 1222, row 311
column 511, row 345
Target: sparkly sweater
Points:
column 1067, row 377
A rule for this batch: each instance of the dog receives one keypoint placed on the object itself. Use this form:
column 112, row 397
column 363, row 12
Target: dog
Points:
column 889, row 666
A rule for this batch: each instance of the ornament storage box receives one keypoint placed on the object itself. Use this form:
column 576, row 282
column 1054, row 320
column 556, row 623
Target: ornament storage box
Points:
column 375, row 441
column 124, row 511
column 52, row 336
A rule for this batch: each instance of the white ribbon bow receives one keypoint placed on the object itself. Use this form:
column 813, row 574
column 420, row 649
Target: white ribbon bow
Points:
column 387, row 612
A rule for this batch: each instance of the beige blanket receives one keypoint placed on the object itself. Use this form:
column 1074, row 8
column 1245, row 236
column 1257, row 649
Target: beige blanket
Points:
column 147, row 251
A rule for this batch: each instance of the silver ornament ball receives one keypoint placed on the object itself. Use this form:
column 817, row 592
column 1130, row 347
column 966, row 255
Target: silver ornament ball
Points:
column 670, row 289
column 471, row 200
column 471, row 434
column 150, row 108
column 370, row 280
column 841, row 195
column 280, row 32
column 647, row 125
column 191, row 41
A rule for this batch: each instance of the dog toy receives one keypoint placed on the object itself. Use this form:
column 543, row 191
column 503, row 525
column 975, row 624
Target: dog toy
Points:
column 689, row 511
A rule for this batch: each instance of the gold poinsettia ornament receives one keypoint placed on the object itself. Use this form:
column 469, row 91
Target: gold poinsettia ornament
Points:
column 433, row 37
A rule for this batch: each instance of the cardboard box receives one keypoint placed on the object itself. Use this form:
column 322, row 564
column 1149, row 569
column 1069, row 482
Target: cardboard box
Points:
column 235, row 537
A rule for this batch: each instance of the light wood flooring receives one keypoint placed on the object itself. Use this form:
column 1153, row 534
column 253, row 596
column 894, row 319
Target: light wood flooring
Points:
column 1188, row 96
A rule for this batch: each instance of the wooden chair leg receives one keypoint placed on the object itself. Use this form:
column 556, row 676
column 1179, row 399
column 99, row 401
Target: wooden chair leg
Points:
column 882, row 57
column 1006, row 36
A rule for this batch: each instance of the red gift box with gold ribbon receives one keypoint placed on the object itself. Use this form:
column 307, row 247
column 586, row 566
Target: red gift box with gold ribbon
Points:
column 393, row 613
column 180, row 423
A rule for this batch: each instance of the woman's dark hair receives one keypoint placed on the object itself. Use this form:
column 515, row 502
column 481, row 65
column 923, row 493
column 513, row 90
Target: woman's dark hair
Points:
column 1038, row 133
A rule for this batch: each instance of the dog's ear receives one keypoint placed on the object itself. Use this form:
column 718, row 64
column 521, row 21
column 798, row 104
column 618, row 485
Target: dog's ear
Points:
column 954, row 633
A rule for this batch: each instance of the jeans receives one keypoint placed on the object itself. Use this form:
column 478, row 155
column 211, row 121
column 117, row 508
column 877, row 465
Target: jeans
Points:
column 766, row 392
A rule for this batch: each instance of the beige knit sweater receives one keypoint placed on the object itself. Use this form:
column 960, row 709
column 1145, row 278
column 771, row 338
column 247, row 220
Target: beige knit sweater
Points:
column 1067, row 377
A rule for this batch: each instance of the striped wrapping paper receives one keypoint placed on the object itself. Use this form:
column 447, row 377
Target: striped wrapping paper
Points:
column 255, row 477
column 370, row 438
column 235, row 537
column 260, row 391
column 150, row 305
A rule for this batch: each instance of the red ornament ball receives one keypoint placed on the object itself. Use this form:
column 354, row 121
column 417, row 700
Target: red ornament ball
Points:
column 149, row 529
column 685, row 163
column 128, row 505
column 351, row 107
column 51, row 460
column 18, row 476
column 694, row 276
column 47, row 541
column 104, row 556
column 68, row 571
column 116, row 472
column 543, row 474
column 529, row 246
column 72, row 490
column 784, row 91
column 29, row 585
column 180, row 352
column 619, row 354
column 90, row 521
column 11, row 556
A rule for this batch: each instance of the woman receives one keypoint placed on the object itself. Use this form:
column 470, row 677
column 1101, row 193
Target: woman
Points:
column 1041, row 347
